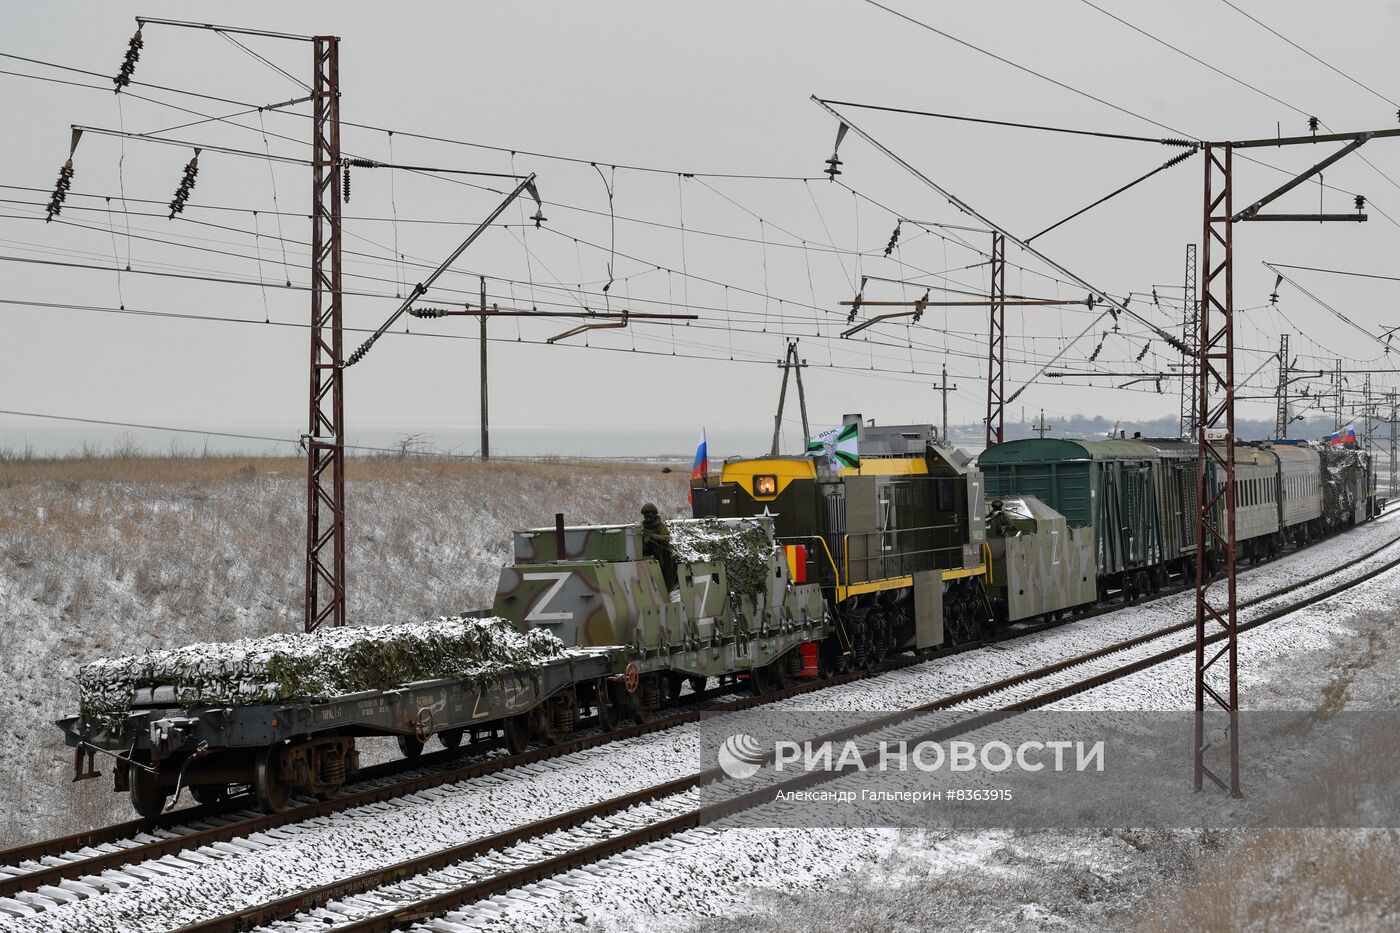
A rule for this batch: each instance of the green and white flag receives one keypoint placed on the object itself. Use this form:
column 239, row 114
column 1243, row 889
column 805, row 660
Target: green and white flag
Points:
column 837, row 446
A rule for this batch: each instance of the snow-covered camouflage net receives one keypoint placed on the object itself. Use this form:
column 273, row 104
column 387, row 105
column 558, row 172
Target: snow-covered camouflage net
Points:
column 326, row 663
column 742, row 545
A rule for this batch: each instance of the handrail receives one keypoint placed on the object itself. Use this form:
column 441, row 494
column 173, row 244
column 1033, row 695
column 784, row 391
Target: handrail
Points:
column 825, row 547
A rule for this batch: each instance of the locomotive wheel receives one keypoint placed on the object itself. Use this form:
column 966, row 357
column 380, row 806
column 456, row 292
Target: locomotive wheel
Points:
column 209, row 793
column 411, row 746
column 147, row 796
column 517, row 729
column 272, row 794
column 698, row 683
column 451, row 738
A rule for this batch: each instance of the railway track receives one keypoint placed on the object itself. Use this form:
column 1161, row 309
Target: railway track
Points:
column 431, row 887
column 446, row 880
column 37, row 876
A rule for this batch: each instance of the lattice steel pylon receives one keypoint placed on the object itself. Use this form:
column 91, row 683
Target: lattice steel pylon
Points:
column 1390, row 492
column 1189, row 327
column 1215, row 410
column 996, row 345
column 325, row 439
column 1281, row 418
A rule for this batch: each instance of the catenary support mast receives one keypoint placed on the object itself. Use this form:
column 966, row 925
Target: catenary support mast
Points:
column 325, row 440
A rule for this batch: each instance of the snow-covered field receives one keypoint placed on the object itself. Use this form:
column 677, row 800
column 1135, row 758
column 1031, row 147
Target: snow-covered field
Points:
column 116, row 557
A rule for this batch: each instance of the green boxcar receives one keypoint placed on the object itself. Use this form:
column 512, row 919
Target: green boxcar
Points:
column 1110, row 486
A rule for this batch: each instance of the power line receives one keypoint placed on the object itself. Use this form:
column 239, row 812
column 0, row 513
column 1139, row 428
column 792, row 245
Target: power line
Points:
column 1203, row 64
column 758, row 176
column 1007, row 123
column 1320, row 61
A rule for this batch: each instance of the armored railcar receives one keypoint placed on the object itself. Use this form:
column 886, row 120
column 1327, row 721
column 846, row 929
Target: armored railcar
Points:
column 736, row 611
column 1039, row 566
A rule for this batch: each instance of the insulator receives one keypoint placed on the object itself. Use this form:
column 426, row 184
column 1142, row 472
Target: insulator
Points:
column 855, row 306
column 1145, row 347
column 920, row 305
column 1312, row 124
column 1176, row 141
column 133, row 55
column 60, row 190
column 361, row 163
column 894, row 239
column 833, row 166
column 1360, row 203
column 345, row 182
column 539, row 217
column 182, row 193
column 427, row 312
column 1095, row 355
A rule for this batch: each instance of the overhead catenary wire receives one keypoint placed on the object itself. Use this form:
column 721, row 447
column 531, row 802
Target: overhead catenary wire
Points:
column 801, row 244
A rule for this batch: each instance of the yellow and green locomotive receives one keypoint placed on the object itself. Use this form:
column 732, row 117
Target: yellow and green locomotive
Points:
column 895, row 540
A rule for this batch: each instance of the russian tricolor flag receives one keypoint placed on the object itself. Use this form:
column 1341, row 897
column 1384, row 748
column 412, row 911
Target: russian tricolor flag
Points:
column 700, row 469
column 1343, row 437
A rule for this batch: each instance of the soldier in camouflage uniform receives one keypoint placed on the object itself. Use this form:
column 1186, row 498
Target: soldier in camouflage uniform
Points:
column 656, row 542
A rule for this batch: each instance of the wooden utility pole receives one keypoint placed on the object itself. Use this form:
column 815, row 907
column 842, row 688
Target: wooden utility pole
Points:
column 790, row 363
column 1041, row 427
column 944, row 388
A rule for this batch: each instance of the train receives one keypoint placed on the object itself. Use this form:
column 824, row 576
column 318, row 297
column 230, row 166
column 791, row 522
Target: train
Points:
column 790, row 567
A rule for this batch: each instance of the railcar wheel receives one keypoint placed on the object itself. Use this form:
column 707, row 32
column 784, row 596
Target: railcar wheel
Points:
column 698, row 683
column 411, row 746
column 451, row 738
column 147, row 796
column 209, row 793
column 271, row 793
column 517, row 729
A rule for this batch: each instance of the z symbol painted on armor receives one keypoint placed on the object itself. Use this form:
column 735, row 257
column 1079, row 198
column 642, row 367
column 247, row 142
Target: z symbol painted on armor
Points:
column 538, row 613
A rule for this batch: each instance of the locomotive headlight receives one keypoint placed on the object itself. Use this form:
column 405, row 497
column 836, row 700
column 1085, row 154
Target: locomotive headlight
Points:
column 765, row 485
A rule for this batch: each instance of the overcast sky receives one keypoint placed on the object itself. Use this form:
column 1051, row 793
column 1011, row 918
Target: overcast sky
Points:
column 715, row 88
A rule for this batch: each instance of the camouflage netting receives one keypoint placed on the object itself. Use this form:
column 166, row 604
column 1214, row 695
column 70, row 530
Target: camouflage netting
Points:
column 743, row 546
column 1339, row 464
column 327, row 663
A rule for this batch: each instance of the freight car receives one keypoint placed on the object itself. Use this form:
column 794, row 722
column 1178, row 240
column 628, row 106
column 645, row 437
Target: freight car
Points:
column 1136, row 500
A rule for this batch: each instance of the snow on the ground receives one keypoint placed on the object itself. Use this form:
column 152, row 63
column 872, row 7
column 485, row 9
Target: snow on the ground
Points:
column 879, row 878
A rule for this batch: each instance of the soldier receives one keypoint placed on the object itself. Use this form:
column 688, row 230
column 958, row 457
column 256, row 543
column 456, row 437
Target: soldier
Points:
column 1001, row 522
column 656, row 542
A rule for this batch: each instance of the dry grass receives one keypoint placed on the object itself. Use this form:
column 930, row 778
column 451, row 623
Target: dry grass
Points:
column 222, row 469
column 1298, row 879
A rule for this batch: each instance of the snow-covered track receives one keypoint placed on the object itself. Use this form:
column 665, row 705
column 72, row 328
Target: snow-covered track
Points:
column 430, row 887
column 29, row 871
